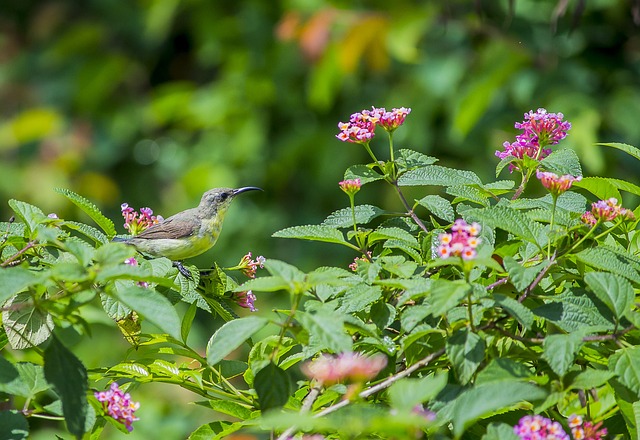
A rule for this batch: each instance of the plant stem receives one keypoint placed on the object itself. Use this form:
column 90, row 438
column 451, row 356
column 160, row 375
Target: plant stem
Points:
column 408, row 208
column 551, row 223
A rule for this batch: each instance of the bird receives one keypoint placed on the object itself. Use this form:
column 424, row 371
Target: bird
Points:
column 188, row 233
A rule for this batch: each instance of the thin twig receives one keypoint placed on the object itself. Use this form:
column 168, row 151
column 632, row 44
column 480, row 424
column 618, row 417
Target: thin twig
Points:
column 498, row 283
column 409, row 209
column 307, row 403
column 15, row 256
column 539, row 278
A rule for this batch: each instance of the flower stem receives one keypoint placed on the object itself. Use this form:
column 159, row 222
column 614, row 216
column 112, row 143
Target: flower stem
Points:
column 551, row 223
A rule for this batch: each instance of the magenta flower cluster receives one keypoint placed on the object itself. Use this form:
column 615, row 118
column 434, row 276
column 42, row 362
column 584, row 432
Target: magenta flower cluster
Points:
column 606, row 210
column 539, row 428
column 135, row 222
column 118, row 405
column 539, row 130
column 461, row 242
column 249, row 267
column 361, row 126
column 347, row 366
column 556, row 184
column 350, row 186
column 581, row 430
column 246, row 299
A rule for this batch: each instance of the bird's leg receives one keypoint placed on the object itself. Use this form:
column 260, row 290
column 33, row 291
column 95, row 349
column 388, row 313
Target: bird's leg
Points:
column 183, row 270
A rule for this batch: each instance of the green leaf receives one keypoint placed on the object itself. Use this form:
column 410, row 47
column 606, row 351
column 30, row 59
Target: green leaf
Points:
column 413, row 159
column 215, row 430
column 187, row 320
column 576, row 311
column 500, row 431
column 153, row 307
column 362, row 172
column 438, row 206
column 359, row 297
column 562, row 162
column 68, row 377
column 468, row 194
column 605, row 259
column 25, row 325
column 13, row 425
column 600, row 187
column 87, row 231
column 560, row 351
column 273, row 386
column 393, row 233
column 523, row 314
column 228, row 407
column 231, row 336
column 312, row 232
column 326, row 331
column 91, row 210
column 438, row 176
column 16, row 279
column 521, row 277
column 626, row 364
column 629, row 149
column 616, row 292
column 445, row 295
column 344, row 217
column 405, row 394
column 484, row 400
column 589, row 378
column 465, row 350
column 500, row 369
column 29, row 214
column 510, row 220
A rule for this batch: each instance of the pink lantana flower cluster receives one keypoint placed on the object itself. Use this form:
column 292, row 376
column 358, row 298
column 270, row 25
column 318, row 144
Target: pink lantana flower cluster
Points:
column 539, row 428
column 118, row 405
column 539, row 129
column 581, row 430
column 606, row 210
column 351, row 186
column 556, row 184
column 348, row 366
column 361, row 126
column 461, row 242
column 354, row 266
column 249, row 267
column 245, row 299
column 135, row 222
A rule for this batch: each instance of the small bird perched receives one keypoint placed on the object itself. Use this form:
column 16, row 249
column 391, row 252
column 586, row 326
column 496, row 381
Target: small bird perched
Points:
column 188, row 233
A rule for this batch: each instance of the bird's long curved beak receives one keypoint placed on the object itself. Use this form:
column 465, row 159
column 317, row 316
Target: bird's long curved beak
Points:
column 245, row 189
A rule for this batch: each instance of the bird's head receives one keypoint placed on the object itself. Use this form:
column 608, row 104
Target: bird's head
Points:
column 217, row 200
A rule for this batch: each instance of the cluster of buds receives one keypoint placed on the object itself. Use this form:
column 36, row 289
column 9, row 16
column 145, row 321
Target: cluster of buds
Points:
column 539, row 428
column 539, row 129
column 606, row 210
column 581, row 430
column 249, row 267
column 135, row 222
column 354, row 266
column 462, row 242
column 350, row 186
column 245, row 299
column 348, row 366
column 133, row 262
column 118, row 405
column 556, row 184
column 361, row 126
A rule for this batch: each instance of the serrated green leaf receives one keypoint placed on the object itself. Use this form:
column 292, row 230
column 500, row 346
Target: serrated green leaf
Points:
column 187, row 320
column 273, row 386
column 500, row 431
column 438, row 206
column 465, row 350
column 393, row 233
column 600, row 187
column 25, row 325
column 511, row 221
column 231, row 336
column 590, row 378
column 412, row 159
column 228, row 407
column 523, row 314
column 312, row 232
column 560, row 351
column 14, row 425
column 439, row 176
column 572, row 312
column 468, row 194
column 521, row 277
column 486, row 399
column 68, row 376
column 326, row 331
column 153, row 307
column 91, row 210
column 87, row 231
column 405, row 394
column 404, row 247
column 562, row 162
column 16, row 279
column 444, row 295
column 616, row 292
column 359, row 297
column 629, row 149
column 29, row 214
column 605, row 259
column 362, row 172
column 343, row 218
column 626, row 364
column 500, row 369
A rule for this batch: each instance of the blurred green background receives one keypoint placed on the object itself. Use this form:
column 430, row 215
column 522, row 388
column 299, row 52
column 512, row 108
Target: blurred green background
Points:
column 152, row 102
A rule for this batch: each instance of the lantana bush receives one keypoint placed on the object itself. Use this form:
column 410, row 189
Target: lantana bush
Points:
column 499, row 310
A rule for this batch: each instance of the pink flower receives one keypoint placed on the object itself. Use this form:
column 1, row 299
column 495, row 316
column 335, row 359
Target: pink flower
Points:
column 539, row 130
column 354, row 266
column 118, row 405
column 556, row 184
column 609, row 210
column 246, row 299
column 136, row 223
column 391, row 120
column 349, row 366
column 539, row 428
column 249, row 266
column 581, row 430
column 462, row 242
column 360, row 129
column 350, row 186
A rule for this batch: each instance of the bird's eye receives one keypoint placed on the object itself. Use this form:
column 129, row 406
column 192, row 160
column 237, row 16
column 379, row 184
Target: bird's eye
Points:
column 224, row 196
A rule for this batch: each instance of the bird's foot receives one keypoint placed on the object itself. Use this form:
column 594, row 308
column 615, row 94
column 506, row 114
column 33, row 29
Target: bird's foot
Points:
column 183, row 270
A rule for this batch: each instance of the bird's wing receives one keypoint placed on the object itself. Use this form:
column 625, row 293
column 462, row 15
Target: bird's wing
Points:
column 170, row 228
